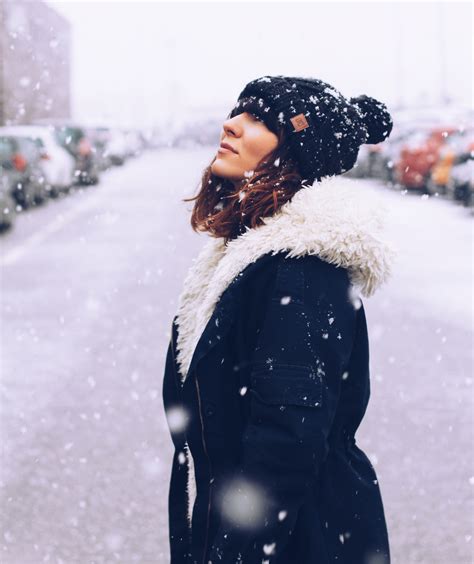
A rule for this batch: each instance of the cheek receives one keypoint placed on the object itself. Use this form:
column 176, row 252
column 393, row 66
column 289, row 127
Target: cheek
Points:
column 256, row 147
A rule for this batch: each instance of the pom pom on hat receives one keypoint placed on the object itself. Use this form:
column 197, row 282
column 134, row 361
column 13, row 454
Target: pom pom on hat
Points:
column 375, row 117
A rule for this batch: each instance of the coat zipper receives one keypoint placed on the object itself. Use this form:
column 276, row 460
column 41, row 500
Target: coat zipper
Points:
column 177, row 380
column 210, row 471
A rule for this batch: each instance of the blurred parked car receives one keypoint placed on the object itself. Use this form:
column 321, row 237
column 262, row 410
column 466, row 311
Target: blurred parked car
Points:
column 155, row 138
column 100, row 138
column 74, row 139
column 418, row 155
column 460, row 186
column 56, row 163
column 469, row 202
column 455, row 151
column 134, row 142
column 116, row 149
column 20, row 163
column 7, row 202
column 386, row 154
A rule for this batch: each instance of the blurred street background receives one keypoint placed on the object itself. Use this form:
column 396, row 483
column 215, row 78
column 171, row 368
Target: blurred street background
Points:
column 109, row 113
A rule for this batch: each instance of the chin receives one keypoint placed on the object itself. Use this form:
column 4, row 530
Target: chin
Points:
column 220, row 169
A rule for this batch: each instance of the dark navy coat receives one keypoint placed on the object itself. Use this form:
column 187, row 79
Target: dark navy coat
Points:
column 276, row 389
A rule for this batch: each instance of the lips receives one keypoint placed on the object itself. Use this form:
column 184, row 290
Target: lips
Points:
column 227, row 146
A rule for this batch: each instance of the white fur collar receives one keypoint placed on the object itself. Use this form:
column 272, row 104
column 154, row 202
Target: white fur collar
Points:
column 334, row 218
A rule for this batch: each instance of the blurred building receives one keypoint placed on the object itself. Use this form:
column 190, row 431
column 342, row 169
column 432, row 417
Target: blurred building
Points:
column 35, row 55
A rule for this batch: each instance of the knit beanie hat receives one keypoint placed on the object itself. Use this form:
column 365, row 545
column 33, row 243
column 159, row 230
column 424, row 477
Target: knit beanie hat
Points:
column 325, row 129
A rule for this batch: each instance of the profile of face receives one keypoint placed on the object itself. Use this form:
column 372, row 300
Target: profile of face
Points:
column 251, row 141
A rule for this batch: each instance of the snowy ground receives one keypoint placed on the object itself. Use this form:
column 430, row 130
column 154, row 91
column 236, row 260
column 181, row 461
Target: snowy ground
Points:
column 89, row 289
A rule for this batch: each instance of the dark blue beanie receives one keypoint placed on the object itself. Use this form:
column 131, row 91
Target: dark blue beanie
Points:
column 325, row 129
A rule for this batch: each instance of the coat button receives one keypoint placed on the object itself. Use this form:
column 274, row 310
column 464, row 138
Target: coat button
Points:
column 209, row 410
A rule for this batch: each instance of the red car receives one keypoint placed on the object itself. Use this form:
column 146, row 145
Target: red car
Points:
column 418, row 155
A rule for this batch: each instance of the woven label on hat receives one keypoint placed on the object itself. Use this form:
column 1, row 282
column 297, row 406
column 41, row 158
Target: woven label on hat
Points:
column 299, row 122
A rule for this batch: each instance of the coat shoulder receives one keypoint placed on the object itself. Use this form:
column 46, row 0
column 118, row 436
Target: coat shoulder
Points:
column 325, row 277
column 314, row 272
column 303, row 277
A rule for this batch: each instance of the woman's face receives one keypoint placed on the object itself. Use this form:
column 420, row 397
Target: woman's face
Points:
column 252, row 141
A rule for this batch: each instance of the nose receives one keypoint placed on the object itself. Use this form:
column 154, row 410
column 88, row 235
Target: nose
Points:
column 231, row 127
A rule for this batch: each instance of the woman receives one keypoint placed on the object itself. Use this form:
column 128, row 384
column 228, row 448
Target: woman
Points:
column 267, row 371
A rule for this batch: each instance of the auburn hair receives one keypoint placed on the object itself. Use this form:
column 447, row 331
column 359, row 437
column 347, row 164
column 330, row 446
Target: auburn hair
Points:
column 223, row 210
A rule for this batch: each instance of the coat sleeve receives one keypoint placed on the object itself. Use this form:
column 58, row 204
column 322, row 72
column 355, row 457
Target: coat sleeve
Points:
column 303, row 346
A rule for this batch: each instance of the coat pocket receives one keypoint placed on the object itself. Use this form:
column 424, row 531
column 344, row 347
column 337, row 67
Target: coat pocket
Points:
column 286, row 384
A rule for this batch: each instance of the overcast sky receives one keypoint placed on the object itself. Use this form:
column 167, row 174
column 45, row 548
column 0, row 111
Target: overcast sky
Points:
column 146, row 62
